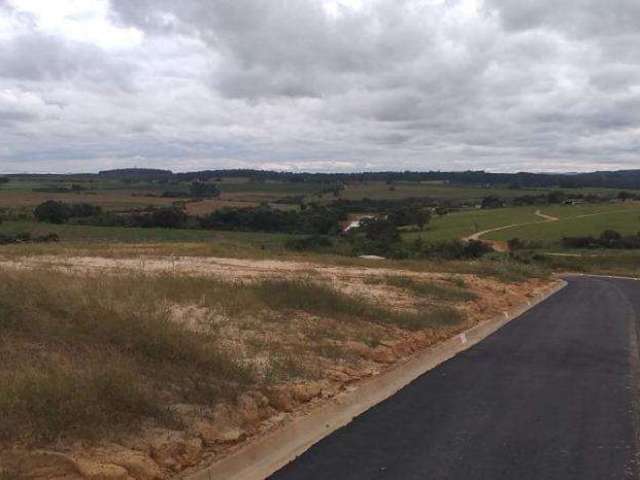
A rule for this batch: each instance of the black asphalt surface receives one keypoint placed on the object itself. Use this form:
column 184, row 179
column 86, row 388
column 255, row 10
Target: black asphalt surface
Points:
column 549, row 396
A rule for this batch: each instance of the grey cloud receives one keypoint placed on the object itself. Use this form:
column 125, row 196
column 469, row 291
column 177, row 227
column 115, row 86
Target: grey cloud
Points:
column 288, row 48
column 284, row 84
column 582, row 18
column 39, row 57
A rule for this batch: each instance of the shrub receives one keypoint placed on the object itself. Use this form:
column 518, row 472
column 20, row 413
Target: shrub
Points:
column 170, row 217
column 457, row 250
column 308, row 243
column 203, row 190
column 607, row 239
column 519, row 244
column 60, row 212
column 312, row 220
column 52, row 212
column 26, row 237
column 42, row 403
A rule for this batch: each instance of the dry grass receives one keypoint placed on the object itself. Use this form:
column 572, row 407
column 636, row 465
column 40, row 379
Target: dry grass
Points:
column 93, row 355
column 84, row 354
column 97, row 353
column 430, row 290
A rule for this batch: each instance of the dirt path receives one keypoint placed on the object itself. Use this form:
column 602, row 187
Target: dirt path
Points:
column 549, row 218
column 230, row 269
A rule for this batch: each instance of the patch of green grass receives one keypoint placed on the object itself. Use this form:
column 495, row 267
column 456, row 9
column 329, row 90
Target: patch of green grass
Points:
column 41, row 403
column 124, row 314
column 302, row 295
column 430, row 289
column 323, row 300
column 285, row 367
column 624, row 263
column 84, row 234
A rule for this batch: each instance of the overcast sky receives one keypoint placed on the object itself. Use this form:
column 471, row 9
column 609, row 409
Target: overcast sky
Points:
column 319, row 85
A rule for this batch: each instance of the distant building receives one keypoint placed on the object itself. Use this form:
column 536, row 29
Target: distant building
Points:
column 355, row 223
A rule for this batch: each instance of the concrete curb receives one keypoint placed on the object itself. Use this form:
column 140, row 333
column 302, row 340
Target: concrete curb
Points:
column 261, row 458
column 619, row 277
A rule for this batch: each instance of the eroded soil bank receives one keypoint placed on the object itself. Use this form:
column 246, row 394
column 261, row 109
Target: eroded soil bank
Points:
column 302, row 357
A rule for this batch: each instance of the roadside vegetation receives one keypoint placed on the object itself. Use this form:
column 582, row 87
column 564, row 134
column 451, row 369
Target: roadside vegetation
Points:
column 88, row 356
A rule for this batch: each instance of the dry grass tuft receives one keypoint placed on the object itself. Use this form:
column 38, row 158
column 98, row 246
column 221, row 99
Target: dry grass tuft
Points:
column 424, row 289
column 82, row 355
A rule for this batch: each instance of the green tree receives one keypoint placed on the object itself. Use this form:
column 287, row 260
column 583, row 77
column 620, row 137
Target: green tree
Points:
column 52, row 212
column 204, row 190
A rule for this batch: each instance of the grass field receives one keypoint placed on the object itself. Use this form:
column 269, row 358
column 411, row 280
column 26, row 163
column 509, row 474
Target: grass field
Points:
column 82, row 237
column 108, row 200
column 467, row 222
column 573, row 220
column 624, row 219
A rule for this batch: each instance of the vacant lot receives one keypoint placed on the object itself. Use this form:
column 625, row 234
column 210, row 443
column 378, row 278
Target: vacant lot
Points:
column 170, row 362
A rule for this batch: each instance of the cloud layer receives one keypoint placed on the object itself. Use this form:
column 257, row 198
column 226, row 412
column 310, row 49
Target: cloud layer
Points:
column 319, row 84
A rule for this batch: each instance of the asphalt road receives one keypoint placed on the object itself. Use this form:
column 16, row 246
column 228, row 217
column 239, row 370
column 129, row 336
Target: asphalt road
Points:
column 549, row 396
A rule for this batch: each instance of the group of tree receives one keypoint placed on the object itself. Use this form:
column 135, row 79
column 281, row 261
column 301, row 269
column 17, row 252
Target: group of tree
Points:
column 622, row 179
column 607, row 239
column 26, row 237
column 311, row 220
column 555, row 197
column 52, row 211
column 198, row 190
column 381, row 236
column 407, row 216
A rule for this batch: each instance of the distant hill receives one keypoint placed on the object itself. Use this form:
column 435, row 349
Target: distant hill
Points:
column 620, row 179
column 623, row 179
column 135, row 172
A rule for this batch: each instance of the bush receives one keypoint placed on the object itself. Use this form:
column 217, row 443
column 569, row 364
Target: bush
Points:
column 203, row 190
column 519, row 244
column 308, row 243
column 457, row 250
column 607, row 239
column 312, row 220
column 60, row 212
column 170, row 217
column 52, row 212
column 25, row 237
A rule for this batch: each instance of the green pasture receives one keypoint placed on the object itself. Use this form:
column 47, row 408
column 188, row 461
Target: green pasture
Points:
column 467, row 222
column 92, row 234
column 624, row 220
